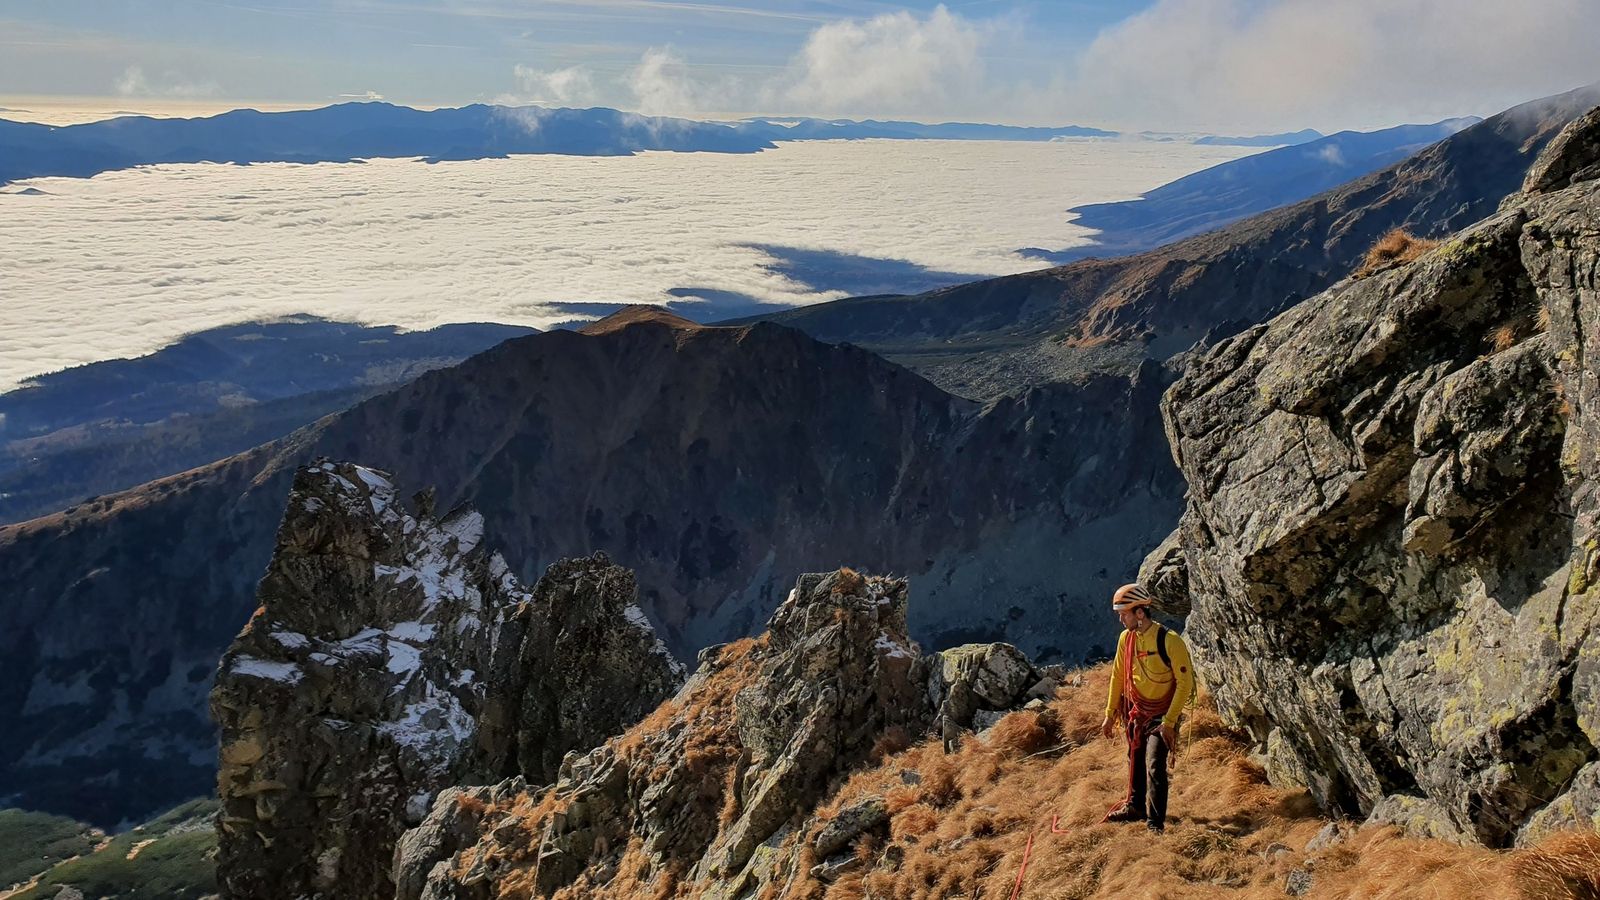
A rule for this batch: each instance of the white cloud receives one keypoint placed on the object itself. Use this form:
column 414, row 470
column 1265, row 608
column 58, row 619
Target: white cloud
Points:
column 133, row 83
column 1264, row 64
column 572, row 86
column 663, row 85
column 892, row 61
column 91, row 274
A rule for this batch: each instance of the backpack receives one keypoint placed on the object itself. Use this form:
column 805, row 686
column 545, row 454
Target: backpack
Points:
column 1161, row 645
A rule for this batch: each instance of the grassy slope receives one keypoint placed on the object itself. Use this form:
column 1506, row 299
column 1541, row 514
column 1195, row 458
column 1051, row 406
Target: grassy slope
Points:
column 172, row 857
column 964, row 829
column 31, row 842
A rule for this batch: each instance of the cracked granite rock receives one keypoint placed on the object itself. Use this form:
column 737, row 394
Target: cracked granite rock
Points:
column 1393, row 529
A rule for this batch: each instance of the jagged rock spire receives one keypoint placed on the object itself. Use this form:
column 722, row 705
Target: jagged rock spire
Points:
column 393, row 656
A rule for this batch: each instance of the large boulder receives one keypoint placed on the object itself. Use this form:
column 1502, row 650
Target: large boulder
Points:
column 391, row 657
column 1393, row 525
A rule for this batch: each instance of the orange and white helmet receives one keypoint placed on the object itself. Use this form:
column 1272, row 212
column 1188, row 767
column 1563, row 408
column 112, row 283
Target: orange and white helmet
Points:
column 1130, row 596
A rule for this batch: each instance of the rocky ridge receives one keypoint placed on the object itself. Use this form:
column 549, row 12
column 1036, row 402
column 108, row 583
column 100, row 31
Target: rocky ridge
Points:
column 393, row 656
column 710, row 461
column 1393, row 521
column 702, row 795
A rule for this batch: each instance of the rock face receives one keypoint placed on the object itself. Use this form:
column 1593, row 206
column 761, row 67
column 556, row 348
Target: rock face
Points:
column 706, row 789
column 1393, row 531
column 392, row 656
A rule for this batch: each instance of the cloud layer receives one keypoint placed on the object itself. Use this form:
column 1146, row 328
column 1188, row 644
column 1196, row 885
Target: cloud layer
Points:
column 1211, row 65
column 127, row 261
column 1220, row 63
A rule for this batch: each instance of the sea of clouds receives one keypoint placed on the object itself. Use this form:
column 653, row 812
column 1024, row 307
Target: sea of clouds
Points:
column 124, row 263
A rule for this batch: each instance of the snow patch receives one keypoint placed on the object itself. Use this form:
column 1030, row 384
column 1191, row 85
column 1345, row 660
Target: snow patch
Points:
column 417, row 806
column 403, row 658
column 256, row 667
column 638, row 619
column 373, row 480
column 367, row 641
column 416, row 632
column 434, row 727
column 466, row 528
column 293, row 640
column 891, row 647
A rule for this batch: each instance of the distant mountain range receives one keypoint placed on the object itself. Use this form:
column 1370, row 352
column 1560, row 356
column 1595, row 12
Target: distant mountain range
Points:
column 1230, row 191
column 806, row 129
column 1285, row 139
column 351, row 131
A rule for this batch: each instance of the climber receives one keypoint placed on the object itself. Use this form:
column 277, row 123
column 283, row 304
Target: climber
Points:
column 1152, row 680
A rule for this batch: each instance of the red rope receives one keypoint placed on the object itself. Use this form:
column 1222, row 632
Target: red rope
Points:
column 1138, row 714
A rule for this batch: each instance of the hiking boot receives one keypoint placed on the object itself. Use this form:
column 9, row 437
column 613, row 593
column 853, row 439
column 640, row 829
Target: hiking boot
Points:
column 1125, row 814
column 1155, row 827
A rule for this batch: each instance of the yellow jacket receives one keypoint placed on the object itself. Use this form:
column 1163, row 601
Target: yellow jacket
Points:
column 1152, row 678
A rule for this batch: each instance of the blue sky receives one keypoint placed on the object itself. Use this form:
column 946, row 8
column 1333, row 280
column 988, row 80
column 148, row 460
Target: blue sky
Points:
column 1162, row 64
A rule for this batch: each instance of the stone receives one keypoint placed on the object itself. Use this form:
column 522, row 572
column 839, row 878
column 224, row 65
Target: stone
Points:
column 1331, row 835
column 863, row 816
column 1299, row 883
column 830, row 869
column 1418, row 817
column 1392, row 534
column 1572, row 156
column 996, row 674
column 391, row 658
column 1578, row 809
column 1165, row 574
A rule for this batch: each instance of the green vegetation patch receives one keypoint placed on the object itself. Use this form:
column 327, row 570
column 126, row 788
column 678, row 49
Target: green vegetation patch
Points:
column 173, row 856
column 31, row 842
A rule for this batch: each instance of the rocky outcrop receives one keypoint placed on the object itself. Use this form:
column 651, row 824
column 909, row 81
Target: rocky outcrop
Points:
column 709, row 788
column 1394, row 515
column 393, row 656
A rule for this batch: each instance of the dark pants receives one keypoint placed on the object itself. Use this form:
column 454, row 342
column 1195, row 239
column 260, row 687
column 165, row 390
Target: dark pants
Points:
column 1147, row 766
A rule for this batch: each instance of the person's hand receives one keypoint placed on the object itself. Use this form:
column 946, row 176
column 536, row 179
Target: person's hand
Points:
column 1107, row 727
column 1169, row 735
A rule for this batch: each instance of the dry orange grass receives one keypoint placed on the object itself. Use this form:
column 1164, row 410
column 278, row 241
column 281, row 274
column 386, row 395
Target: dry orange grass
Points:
column 1396, row 246
column 963, row 829
column 711, row 750
column 1504, row 337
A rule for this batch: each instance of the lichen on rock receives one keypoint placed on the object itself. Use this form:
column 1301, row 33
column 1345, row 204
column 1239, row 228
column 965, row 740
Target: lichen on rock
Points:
column 1392, row 521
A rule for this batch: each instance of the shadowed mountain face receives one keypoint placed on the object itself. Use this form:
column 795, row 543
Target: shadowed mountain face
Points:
column 1228, row 192
column 110, row 425
column 983, row 339
column 715, row 462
